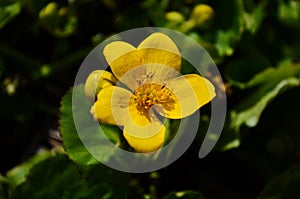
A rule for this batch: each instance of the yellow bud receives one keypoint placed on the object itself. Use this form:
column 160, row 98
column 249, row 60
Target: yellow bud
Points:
column 175, row 17
column 202, row 14
column 96, row 81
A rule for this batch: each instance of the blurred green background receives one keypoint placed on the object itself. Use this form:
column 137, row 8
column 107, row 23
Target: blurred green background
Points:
column 256, row 46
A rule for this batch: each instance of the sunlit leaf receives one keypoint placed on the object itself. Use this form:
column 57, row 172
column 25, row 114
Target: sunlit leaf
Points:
column 8, row 12
column 263, row 88
column 251, row 115
column 58, row 177
column 18, row 174
column 57, row 174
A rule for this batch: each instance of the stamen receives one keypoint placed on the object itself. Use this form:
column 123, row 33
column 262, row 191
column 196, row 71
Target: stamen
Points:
column 150, row 94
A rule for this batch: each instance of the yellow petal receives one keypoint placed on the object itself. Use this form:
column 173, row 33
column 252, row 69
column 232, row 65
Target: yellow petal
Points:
column 97, row 80
column 125, row 63
column 159, row 41
column 112, row 105
column 121, row 57
column 162, row 57
column 159, row 48
column 155, row 49
column 148, row 61
column 146, row 145
column 203, row 88
column 192, row 91
column 116, row 49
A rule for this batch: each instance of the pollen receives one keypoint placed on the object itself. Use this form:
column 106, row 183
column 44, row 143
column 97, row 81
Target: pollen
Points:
column 150, row 94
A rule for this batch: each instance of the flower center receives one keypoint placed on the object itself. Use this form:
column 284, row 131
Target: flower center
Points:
column 149, row 94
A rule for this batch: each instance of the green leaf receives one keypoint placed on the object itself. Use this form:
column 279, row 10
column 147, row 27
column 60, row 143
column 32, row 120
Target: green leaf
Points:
column 225, row 41
column 18, row 174
column 8, row 12
column 90, row 131
column 289, row 13
column 72, row 143
column 272, row 76
column 254, row 19
column 57, row 174
column 263, row 88
column 251, row 60
column 251, row 116
column 284, row 186
column 104, row 182
column 184, row 195
column 230, row 25
column 57, row 178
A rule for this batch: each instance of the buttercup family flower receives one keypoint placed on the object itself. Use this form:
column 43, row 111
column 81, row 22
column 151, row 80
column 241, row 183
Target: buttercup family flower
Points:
column 145, row 82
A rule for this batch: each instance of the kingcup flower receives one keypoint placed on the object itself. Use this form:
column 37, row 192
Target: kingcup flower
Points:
column 145, row 86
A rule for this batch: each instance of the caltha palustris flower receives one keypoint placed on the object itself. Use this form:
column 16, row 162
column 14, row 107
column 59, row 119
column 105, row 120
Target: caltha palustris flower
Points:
column 145, row 82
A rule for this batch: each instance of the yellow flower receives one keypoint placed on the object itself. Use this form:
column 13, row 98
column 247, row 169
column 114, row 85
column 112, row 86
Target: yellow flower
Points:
column 153, row 87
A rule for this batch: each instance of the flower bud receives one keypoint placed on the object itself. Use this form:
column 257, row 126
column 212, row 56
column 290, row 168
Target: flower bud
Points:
column 202, row 15
column 96, row 81
column 175, row 17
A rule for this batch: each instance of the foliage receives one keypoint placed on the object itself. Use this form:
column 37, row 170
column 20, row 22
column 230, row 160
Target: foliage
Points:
column 255, row 45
